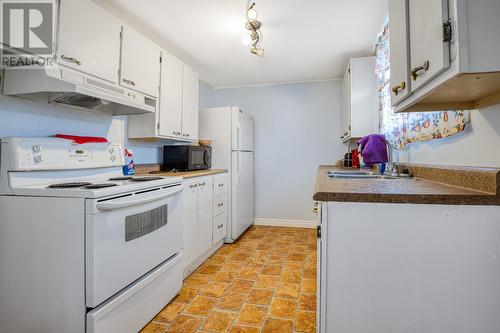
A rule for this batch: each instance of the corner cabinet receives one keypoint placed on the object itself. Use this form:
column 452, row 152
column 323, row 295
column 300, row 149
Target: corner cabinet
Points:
column 359, row 111
column 190, row 103
column 177, row 115
column 204, row 218
column 445, row 54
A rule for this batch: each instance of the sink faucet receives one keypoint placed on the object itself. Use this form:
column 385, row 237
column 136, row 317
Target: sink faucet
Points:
column 391, row 166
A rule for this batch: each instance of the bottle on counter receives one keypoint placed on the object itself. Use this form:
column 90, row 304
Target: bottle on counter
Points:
column 128, row 168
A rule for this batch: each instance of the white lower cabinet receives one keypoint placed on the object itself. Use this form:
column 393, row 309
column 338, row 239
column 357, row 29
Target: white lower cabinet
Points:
column 219, row 228
column 204, row 219
column 392, row 268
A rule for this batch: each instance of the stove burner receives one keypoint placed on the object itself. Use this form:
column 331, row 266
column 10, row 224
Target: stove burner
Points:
column 120, row 178
column 103, row 185
column 144, row 179
column 69, row 185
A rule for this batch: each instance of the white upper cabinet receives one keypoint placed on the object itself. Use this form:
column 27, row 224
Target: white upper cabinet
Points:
column 177, row 116
column 170, row 114
column 190, row 103
column 140, row 63
column 360, row 99
column 454, row 48
column 429, row 50
column 88, row 42
column 399, row 44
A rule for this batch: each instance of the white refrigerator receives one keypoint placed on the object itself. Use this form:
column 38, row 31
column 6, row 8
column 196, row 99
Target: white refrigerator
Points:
column 231, row 132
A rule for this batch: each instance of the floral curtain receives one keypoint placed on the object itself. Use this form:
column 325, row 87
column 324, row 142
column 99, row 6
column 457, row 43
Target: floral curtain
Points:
column 404, row 128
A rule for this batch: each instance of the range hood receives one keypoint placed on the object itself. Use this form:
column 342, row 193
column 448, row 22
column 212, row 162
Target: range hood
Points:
column 74, row 89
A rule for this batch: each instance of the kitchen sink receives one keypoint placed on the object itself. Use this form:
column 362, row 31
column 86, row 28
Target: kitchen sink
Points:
column 363, row 175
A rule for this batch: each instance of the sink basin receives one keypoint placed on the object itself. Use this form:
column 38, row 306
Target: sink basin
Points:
column 361, row 175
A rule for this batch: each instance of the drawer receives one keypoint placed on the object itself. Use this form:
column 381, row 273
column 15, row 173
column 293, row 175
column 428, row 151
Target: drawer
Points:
column 131, row 309
column 219, row 204
column 220, row 183
column 219, row 228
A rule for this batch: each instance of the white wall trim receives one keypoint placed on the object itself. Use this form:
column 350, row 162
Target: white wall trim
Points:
column 284, row 83
column 285, row 223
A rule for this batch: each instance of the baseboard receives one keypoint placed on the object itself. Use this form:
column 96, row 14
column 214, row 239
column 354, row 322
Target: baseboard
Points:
column 285, row 223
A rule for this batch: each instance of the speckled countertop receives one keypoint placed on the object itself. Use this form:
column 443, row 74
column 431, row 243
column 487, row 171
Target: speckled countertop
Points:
column 149, row 169
column 480, row 186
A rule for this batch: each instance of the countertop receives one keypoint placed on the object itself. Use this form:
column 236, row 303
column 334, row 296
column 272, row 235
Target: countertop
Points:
column 155, row 169
column 189, row 174
column 415, row 190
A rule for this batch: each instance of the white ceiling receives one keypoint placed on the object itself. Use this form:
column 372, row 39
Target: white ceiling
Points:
column 303, row 40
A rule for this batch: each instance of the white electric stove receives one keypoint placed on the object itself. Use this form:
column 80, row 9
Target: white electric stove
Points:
column 83, row 248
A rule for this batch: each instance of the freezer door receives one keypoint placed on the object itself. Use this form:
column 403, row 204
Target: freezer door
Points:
column 242, row 131
column 242, row 193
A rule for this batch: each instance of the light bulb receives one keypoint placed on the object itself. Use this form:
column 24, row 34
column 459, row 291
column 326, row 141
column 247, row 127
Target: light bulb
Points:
column 246, row 39
column 252, row 14
column 257, row 51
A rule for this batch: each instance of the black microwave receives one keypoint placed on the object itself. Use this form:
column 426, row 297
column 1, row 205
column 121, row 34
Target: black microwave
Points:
column 186, row 158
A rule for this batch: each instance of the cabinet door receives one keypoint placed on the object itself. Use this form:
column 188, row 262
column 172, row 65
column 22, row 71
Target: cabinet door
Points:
column 346, row 106
column 189, row 222
column 140, row 63
column 190, row 103
column 205, row 204
column 170, row 114
column 399, row 53
column 89, row 43
column 429, row 54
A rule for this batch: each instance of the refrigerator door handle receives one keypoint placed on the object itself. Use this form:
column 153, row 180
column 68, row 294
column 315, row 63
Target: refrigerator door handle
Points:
column 238, row 136
column 238, row 168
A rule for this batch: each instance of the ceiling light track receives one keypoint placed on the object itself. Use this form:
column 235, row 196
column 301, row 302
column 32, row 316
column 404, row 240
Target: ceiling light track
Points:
column 253, row 25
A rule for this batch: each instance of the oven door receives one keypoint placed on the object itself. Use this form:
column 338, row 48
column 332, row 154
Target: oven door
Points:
column 199, row 158
column 129, row 235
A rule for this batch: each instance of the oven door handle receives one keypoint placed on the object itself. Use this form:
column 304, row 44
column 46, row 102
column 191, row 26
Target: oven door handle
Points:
column 110, row 205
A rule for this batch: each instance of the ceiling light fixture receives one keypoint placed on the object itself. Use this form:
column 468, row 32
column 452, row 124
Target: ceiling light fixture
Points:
column 253, row 26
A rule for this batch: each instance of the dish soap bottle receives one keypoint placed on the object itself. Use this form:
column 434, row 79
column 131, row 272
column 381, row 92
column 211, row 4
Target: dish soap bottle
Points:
column 128, row 168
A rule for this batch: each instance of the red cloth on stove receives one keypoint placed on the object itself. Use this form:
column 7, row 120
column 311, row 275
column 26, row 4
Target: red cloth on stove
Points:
column 81, row 139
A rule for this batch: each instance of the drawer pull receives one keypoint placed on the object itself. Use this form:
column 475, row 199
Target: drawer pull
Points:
column 415, row 72
column 71, row 59
column 176, row 133
column 202, row 184
column 193, row 186
column 220, row 205
column 400, row 86
column 221, row 185
column 220, row 226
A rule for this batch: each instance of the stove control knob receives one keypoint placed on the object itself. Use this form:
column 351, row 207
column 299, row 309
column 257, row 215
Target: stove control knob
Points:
column 36, row 148
column 37, row 159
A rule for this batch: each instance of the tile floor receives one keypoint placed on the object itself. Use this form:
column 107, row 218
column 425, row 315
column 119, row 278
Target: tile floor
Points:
column 264, row 283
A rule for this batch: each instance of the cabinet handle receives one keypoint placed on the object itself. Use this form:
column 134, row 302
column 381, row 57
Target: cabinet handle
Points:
column 130, row 82
column 202, row 184
column 221, row 185
column 316, row 208
column 220, row 226
column 193, row 186
column 221, row 204
column 176, row 133
column 185, row 135
column 415, row 72
column 71, row 59
column 400, row 86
